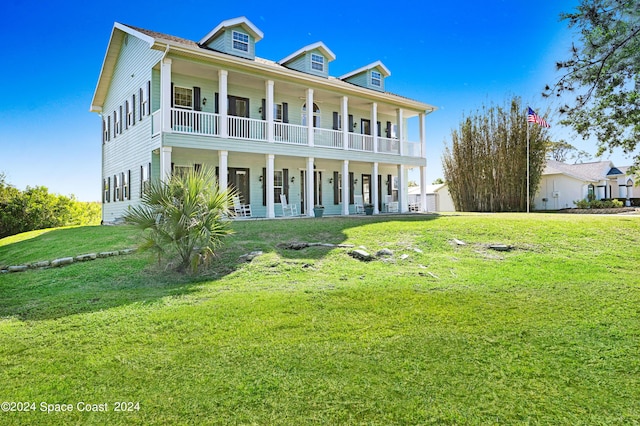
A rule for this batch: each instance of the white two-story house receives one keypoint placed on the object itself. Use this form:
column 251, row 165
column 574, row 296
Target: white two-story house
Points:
column 267, row 127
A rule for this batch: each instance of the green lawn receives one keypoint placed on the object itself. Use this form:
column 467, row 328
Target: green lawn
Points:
column 547, row 333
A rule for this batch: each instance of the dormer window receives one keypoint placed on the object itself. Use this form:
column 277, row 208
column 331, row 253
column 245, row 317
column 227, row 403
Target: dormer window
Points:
column 240, row 41
column 376, row 78
column 317, row 62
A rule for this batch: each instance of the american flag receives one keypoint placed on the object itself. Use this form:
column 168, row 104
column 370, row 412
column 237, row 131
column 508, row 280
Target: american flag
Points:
column 532, row 117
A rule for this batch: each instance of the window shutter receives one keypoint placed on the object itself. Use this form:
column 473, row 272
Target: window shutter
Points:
column 126, row 114
column 264, row 109
column 336, row 195
column 133, row 109
column 140, row 100
column 104, row 132
column 129, row 184
column 380, row 192
column 350, row 122
column 109, row 189
column 197, row 167
column 148, row 111
column 389, row 184
column 115, row 123
column 351, row 186
column 285, row 184
column 172, row 103
column 335, row 120
column 108, row 128
column 388, row 129
column 197, row 100
column 115, row 188
column 122, row 186
column 264, row 186
column 173, row 165
column 285, row 112
column 121, row 120
column 216, row 103
column 379, row 129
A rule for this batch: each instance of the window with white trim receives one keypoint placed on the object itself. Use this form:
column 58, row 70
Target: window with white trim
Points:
column 116, row 187
column 317, row 62
column 278, row 185
column 116, row 123
column 145, row 173
column 340, row 188
column 277, row 112
column 240, row 41
column 316, row 115
column 376, row 79
column 183, row 97
column 125, row 185
column 105, row 188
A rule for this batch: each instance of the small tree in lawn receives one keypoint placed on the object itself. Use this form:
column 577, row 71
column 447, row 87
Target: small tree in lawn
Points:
column 184, row 217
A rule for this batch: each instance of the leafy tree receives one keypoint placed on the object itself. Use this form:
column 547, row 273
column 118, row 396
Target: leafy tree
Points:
column 438, row 181
column 36, row 208
column 486, row 164
column 185, row 216
column 564, row 152
column 602, row 76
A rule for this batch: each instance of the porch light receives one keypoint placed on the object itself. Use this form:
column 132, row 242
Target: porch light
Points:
column 330, row 180
column 260, row 178
column 204, row 101
column 293, row 179
column 355, row 181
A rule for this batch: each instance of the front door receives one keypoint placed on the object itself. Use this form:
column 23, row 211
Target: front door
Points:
column 239, row 180
column 317, row 186
column 366, row 189
column 238, row 107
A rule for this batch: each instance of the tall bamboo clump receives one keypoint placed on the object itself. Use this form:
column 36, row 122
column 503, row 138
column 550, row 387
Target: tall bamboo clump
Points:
column 485, row 165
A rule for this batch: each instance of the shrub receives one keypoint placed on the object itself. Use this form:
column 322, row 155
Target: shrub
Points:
column 186, row 216
column 598, row 204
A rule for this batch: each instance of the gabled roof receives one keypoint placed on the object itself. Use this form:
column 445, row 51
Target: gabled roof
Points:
column 318, row 45
column 110, row 58
column 591, row 172
column 377, row 64
column 242, row 21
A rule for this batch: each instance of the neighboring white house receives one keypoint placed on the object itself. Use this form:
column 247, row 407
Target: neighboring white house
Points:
column 562, row 184
column 438, row 198
column 168, row 105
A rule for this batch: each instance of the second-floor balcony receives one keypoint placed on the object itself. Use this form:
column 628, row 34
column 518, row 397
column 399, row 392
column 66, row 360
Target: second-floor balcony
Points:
column 212, row 125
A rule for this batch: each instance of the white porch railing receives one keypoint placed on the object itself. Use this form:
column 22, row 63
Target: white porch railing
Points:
column 156, row 123
column 358, row 142
column 195, row 122
column 247, row 128
column 290, row 133
column 388, row 146
column 208, row 124
column 328, row 138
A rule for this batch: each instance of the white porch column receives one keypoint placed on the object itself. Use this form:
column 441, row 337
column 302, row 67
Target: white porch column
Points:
column 165, row 163
column 403, row 202
column 345, row 186
column 423, row 136
column 374, row 188
column 309, row 196
column 223, row 102
column 165, row 94
column 269, row 181
column 423, row 188
column 223, row 169
column 400, row 132
column 310, row 117
column 269, row 112
column 374, row 130
column 345, row 130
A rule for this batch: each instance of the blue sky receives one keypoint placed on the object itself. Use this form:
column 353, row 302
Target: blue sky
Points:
column 455, row 55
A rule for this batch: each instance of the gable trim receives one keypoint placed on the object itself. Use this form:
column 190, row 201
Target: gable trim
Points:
column 377, row 64
column 318, row 45
column 229, row 23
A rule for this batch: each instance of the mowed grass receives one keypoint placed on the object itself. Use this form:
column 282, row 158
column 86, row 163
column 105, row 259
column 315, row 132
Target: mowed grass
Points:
column 547, row 333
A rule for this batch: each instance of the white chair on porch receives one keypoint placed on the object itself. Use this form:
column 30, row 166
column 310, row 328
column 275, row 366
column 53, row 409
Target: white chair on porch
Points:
column 241, row 210
column 358, row 203
column 292, row 209
column 390, row 206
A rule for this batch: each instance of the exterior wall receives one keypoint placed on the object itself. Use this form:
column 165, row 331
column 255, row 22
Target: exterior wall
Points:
column 130, row 149
column 560, row 191
column 364, row 80
column 445, row 202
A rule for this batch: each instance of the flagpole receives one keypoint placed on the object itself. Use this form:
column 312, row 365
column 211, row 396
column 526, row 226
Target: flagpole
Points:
column 527, row 167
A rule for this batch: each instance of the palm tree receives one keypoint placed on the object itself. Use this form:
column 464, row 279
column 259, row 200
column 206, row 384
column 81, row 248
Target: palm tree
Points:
column 187, row 216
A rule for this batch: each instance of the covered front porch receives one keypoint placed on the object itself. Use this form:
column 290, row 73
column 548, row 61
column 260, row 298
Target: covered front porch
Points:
column 340, row 186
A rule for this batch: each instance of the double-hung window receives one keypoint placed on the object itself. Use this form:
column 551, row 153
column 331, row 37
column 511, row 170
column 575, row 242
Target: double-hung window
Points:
column 317, row 62
column 183, row 97
column 376, row 79
column 240, row 41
